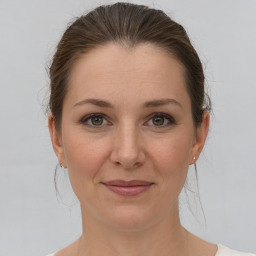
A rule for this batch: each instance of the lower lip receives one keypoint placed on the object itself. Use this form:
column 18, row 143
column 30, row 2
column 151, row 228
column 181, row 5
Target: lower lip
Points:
column 128, row 191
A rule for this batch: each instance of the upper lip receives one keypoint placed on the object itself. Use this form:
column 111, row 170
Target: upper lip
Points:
column 123, row 183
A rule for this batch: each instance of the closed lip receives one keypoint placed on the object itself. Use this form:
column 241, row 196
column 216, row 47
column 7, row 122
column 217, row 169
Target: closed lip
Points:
column 130, row 183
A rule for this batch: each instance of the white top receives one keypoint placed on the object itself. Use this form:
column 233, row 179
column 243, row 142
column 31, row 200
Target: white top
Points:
column 225, row 251
column 222, row 251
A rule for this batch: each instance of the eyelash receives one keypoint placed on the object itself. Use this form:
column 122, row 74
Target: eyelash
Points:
column 170, row 119
column 90, row 116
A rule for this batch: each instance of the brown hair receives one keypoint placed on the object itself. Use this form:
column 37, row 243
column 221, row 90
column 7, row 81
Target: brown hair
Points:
column 129, row 25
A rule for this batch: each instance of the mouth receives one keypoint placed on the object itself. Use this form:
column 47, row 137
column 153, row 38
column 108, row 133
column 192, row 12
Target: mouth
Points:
column 128, row 188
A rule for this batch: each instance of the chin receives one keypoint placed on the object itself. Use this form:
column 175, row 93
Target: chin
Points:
column 130, row 218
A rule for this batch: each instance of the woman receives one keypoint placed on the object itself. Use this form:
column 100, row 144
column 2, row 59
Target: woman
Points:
column 128, row 115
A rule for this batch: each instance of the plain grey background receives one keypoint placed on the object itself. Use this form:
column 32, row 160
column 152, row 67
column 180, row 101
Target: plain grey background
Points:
column 33, row 220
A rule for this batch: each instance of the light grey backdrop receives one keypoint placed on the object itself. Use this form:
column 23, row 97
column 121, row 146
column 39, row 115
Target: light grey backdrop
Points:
column 33, row 221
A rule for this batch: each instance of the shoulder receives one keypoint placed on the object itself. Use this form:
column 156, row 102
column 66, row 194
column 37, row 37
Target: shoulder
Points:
column 222, row 251
column 225, row 251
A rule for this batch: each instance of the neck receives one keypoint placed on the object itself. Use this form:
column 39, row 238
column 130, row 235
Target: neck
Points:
column 166, row 237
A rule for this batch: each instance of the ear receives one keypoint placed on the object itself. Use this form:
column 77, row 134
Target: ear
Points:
column 200, row 137
column 56, row 140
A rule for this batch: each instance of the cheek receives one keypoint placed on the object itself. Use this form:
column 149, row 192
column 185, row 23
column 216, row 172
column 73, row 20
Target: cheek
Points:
column 84, row 158
column 171, row 160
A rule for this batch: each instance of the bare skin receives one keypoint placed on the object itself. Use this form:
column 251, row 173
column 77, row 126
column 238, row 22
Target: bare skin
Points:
column 198, row 247
column 145, row 131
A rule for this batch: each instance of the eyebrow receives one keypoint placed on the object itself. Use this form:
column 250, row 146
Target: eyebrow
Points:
column 148, row 104
column 161, row 102
column 97, row 102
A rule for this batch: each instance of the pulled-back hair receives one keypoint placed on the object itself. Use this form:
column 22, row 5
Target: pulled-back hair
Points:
column 128, row 25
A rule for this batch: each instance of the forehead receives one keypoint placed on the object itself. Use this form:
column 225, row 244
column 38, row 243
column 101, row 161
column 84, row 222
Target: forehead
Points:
column 113, row 70
column 116, row 58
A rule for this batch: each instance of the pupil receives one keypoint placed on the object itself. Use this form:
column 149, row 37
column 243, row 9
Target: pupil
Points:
column 97, row 120
column 158, row 120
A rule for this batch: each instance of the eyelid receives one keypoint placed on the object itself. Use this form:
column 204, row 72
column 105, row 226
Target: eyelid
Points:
column 171, row 120
column 89, row 116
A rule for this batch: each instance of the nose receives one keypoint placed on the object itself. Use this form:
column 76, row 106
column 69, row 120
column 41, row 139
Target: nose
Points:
column 127, row 148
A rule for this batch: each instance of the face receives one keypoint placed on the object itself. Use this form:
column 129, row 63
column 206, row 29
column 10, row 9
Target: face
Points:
column 127, row 116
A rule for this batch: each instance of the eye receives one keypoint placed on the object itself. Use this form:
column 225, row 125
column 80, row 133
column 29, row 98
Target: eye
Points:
column 95, row 120
column 160, row 120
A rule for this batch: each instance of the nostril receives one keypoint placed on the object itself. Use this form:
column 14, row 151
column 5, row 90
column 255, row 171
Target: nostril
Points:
column 127, row 153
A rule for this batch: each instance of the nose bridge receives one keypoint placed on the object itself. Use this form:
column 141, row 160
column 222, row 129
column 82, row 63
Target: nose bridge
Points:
column 127, row 150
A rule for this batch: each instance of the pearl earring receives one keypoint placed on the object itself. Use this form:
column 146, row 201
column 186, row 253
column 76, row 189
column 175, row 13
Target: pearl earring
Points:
column 194, row 158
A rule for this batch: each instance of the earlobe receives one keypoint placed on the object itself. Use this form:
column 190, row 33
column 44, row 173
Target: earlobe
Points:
column 56, row 139
column 200, row 137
